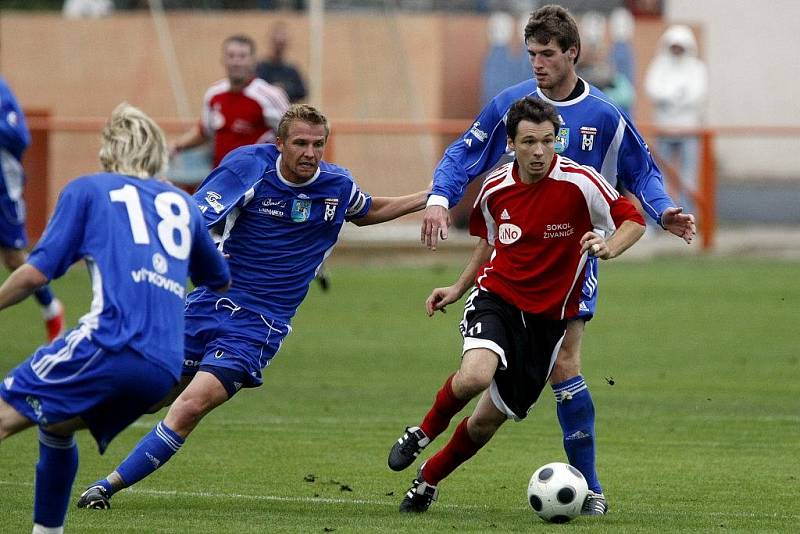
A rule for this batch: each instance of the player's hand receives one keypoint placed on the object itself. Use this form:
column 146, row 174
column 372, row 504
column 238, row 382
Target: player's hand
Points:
column 434, row 225
column 595, row 245
column 679, row 223
column 439, row 298
column 173, row 149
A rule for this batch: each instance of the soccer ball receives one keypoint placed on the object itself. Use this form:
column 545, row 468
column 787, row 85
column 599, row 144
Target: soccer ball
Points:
column 556, row 492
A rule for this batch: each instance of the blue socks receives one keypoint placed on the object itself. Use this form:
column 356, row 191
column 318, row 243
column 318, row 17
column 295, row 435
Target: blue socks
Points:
column 55, row 473
column 152, row 451
column 576, row 415
column 44, row 296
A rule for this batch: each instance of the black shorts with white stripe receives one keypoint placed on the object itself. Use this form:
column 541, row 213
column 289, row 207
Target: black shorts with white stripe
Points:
column 526, row 345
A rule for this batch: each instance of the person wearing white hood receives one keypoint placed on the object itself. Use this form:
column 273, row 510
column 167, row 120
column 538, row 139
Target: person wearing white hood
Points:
column 677, row 84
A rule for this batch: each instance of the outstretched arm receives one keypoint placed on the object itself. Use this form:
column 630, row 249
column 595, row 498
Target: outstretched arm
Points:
column 388, row 208
column 442, row 296
column 20, row 285
column 192, row 138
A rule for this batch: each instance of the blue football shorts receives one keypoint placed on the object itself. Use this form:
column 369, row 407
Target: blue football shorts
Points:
column 73, row 377
column 12, row 224
column 230, row 342
column 587, row 303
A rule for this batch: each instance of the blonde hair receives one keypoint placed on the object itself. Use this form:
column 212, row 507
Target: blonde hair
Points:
column 304, row 113
column 133, row 144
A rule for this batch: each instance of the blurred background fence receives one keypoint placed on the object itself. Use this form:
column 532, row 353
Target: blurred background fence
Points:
column 399, row 80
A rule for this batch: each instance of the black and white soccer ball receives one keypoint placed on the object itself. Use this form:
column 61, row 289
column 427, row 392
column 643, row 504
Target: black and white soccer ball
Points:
column 556, row 492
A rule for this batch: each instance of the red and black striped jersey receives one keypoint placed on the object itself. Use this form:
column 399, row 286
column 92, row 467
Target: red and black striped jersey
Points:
column 536, row 229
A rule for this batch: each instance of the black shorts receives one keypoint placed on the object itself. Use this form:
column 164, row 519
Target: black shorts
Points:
column 526, row 344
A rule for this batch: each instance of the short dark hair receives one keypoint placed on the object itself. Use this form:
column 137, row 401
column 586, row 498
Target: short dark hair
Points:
column 530, row 109
column 554, row 22
column 241, row 39
column 304, row 113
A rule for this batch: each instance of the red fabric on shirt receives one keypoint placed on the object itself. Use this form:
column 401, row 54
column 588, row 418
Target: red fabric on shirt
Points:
column 239, row 118
column 536, row 230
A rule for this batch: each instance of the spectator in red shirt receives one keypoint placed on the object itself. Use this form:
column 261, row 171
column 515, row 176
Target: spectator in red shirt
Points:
column 238, row 110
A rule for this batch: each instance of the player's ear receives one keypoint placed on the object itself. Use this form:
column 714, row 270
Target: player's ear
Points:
column 279, row 143
column 510, row 143
column 572, row 53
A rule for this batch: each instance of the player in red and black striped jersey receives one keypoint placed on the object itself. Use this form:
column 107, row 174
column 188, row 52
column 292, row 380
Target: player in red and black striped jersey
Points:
column 538, row 218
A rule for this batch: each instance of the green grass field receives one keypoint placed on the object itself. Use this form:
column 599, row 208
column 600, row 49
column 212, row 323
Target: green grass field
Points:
column 700, row 430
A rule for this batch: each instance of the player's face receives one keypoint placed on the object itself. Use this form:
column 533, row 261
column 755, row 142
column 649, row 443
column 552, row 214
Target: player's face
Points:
column 239, row 62
column 552, row 68
column 534, row 147
column 301, row 151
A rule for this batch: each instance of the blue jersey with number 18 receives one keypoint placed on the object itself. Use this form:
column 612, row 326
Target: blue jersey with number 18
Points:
column 139, row 239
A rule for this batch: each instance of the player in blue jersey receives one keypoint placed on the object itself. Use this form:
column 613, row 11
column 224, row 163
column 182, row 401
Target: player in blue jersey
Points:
column 14, row 139
column 593, row 132
column 278, row 210
column 139, row 237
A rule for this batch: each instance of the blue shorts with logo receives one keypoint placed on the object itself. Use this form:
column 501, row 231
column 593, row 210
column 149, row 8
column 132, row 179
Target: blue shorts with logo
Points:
column 73, row 377
column 230, row 342
column 12, row 224
column 587, row 303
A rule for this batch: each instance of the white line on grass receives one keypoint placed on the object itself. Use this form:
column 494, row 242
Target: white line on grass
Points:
column 662, row 512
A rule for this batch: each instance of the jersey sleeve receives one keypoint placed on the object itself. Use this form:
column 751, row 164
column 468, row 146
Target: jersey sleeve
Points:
column 639, row 174
column 477, row 219
column 475, row 152
column 608, row 209
column 358, row 204
column 228, row 185
column 62, row 242
column 206, row 264
column 623, row 210
column 14, row 135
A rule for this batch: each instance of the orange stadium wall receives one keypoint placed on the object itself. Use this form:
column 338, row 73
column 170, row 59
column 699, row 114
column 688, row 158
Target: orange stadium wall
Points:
column 401, row 67
column 404, row 67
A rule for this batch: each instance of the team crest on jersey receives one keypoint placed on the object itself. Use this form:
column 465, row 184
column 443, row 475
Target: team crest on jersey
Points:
column 301, row 209
column 562, row 140
column 212, row 199
column 330, row 208
column 587, row 137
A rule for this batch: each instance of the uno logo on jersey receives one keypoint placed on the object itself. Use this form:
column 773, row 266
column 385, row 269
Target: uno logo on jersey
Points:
column 509, row 233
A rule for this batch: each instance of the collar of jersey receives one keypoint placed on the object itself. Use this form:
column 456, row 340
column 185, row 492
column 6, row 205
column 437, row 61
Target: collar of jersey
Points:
column 584, row 94
column 292, row 184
